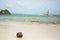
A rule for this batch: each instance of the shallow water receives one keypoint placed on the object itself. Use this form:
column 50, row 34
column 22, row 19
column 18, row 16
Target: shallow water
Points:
column 30, row 18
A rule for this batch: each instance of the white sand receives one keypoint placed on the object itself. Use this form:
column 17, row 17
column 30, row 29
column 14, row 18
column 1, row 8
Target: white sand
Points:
column 31, row 31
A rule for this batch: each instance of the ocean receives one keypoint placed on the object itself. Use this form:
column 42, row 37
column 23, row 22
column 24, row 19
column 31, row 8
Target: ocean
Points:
column 31, row 18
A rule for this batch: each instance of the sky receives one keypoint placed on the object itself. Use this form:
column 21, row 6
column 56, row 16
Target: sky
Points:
column 39, row 7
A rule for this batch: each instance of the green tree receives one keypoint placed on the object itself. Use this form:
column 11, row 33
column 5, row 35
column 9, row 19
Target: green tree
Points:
column 4, row 12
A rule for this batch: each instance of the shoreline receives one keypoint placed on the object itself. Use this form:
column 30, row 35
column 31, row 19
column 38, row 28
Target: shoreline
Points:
column 32, row 21
column 25, row 23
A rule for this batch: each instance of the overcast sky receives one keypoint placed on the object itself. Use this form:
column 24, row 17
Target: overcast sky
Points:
column 31, row 6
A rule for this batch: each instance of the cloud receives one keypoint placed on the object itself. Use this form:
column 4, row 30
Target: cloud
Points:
column 19, row 3
column 10, row 6
column 31, row 5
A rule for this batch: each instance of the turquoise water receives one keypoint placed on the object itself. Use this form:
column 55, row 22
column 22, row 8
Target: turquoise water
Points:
column 29, row 18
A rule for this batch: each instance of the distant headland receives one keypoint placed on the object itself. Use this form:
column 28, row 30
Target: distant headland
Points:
column 4, row 12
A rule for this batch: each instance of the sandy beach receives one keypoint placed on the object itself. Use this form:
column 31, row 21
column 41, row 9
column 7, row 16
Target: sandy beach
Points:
column 31, row 31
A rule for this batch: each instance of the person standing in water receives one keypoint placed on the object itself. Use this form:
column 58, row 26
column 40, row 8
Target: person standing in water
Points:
column 47, row 13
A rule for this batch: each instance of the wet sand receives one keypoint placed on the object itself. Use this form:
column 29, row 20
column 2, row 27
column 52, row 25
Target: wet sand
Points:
column 31, row 31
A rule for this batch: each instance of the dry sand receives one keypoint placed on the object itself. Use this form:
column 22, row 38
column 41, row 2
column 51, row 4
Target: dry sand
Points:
column 31, row 31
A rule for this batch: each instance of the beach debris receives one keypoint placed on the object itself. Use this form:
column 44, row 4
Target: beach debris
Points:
column 19, row 35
